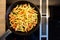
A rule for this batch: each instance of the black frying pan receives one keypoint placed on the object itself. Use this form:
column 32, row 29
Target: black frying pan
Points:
column 8, row 23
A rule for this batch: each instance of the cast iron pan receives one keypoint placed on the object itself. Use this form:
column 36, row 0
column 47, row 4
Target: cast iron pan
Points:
column 8, row 23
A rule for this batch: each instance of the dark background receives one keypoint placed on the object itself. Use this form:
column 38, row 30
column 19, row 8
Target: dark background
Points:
column 54, row 23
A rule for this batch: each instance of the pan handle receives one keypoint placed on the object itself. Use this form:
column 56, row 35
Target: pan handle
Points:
column 5, row 34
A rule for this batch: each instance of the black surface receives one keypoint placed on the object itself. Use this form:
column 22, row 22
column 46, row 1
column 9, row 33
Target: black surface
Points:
column 54, row 23
column 44, row 38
